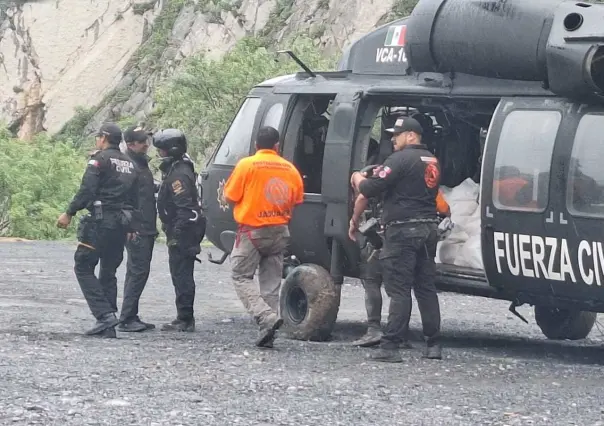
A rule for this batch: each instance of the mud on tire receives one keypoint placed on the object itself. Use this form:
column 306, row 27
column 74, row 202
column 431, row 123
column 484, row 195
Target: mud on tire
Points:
column 561, row 324
column 309, row 302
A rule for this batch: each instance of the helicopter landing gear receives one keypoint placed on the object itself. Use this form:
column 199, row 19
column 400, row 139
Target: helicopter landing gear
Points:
column 309, row 303
column 562, row 324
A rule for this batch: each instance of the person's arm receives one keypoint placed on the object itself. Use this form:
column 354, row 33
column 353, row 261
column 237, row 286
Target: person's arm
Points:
column 183, row 191
column 299, row 197
column 360, row 205
column 235, row 185
column 88, row 187
column 387, row 176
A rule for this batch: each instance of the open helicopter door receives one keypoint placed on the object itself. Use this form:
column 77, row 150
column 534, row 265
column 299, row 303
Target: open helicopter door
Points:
column 260, row 107
column 521, row 201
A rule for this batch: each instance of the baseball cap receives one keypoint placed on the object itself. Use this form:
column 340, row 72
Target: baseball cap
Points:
column 406, row 124
column 112, row 131
column 136, row 134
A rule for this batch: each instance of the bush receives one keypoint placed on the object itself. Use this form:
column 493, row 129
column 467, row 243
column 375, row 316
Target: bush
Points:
column 203, row 98
column 41, row 177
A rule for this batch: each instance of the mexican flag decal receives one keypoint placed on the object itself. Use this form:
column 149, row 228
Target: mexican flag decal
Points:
column 396, row 36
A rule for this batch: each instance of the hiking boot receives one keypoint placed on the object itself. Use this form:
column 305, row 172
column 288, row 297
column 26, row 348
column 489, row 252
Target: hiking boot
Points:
column 267, row 334
column 105, row 322
column 406, row 344
column 386, row 355
column 180, row 325
column 135, row 325
column 433, row 352
column 108, row 333
column 371, row 338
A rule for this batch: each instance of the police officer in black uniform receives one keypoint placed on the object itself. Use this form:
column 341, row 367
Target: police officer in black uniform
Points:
column 109, row 190
column 409, row 181
column 182, row 221
column 140, row 248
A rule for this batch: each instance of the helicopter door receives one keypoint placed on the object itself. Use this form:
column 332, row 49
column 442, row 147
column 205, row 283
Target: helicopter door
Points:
column 582, row 204
column 520, row 200
column 236, row 144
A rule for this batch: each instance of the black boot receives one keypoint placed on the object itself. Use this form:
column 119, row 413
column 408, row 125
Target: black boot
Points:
column 107, row 321
column 135, row 325
column 386, row 355
column 433, row 351
column 371, row 338
column 180, row 325
column 267, row 334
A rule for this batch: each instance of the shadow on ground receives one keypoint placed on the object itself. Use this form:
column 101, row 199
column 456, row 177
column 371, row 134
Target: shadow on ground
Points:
column 496, row 344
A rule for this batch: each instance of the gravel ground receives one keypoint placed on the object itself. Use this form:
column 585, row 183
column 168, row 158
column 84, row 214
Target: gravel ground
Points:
column 497, row 370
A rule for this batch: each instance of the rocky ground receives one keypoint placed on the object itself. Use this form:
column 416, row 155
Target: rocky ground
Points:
column 497, row 370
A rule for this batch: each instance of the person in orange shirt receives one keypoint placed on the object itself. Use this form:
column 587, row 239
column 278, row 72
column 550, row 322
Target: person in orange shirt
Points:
column 264, row 188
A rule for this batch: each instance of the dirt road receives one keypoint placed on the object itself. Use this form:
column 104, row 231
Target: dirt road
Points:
column 497, row 370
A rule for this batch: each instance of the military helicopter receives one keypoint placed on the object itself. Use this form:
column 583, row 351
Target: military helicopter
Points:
column 511, row 95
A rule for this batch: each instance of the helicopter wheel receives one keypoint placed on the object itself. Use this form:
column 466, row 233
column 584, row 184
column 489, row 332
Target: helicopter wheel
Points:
column 560, row 324
column 309, row 303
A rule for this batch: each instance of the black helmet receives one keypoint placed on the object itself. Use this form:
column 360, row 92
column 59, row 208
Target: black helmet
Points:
column 173, row 141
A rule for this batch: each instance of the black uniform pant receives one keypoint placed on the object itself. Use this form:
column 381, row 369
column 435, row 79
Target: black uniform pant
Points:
column 408, row 262
column 181, row 270
column 104, row 242
column 140, row 252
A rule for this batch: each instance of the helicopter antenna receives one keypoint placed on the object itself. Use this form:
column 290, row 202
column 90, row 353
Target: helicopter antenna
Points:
column 298, row 61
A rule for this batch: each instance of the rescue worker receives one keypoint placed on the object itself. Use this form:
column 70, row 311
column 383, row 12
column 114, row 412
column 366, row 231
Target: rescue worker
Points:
column 109, row 190
column 182, row 221
column 409, row 181
column 139, row 248
column 264, row 188
column 371, row 278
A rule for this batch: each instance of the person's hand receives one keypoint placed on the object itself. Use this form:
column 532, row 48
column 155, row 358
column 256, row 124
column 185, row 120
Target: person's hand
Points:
column 63, row 221
column 132, row 236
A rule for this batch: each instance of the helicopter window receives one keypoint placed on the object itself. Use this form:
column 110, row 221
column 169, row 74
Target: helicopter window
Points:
column 585, row 189
column 523, row 161
column 236, row 143
column 310, row 147
column 273, row 116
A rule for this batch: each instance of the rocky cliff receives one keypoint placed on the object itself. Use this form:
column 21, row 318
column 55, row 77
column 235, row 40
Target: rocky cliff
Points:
column 107, row 56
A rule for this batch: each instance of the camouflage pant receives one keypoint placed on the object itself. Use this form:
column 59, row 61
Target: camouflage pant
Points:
column 371, row 277
column 262, row 249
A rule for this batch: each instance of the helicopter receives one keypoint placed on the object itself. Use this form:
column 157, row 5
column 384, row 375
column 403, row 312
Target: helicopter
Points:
column 507, row 92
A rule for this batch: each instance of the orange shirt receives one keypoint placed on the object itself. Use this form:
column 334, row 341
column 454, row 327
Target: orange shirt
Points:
column 506, row 190
column 442, row 206
column 265, row 188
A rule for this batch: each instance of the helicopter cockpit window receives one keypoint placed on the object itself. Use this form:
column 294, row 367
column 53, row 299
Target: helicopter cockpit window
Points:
column 523, row 162
column 237, row 141
column 585, row 188
column 273, row 116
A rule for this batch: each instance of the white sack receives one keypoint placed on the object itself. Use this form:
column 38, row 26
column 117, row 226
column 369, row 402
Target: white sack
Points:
column 462, row 247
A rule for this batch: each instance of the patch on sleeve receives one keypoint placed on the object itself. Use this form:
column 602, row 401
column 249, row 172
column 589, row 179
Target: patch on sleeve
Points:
column 93, row 163
column 177, row 187
column 385, row 172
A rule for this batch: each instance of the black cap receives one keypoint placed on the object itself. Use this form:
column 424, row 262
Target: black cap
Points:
column 406, row 124
column 136, row 134
column 112, row 131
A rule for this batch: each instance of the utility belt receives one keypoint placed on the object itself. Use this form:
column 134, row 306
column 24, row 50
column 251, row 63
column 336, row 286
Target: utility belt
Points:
column 434, row 220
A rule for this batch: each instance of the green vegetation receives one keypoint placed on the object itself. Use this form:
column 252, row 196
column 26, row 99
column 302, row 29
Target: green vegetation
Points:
column 205, row 95
column 400, row 9
column 41, row 177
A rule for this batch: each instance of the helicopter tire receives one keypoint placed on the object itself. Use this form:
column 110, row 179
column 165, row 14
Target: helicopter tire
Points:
column 562, row 324
column 309, row 302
